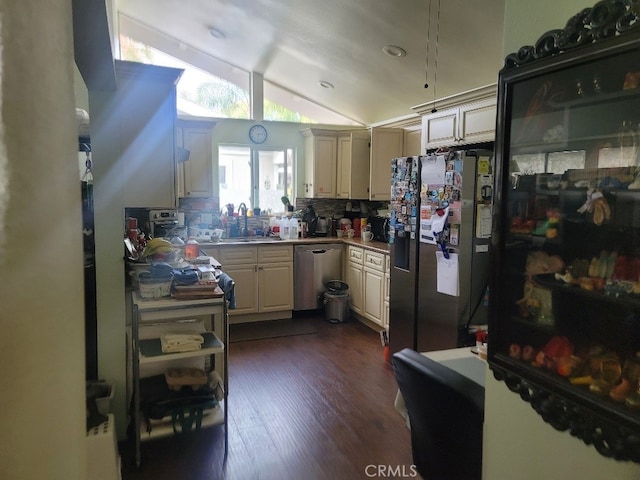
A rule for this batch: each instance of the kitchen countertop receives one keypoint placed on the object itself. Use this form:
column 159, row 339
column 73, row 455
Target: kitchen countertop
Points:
column 381, row 247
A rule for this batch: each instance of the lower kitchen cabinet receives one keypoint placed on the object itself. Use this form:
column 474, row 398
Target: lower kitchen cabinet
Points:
column 373, row 281
column 367, row 275
column 387, row 287
column 246, row 288
column 275, row 287
column 353, row 275
column 373, row 286
column 263, row 277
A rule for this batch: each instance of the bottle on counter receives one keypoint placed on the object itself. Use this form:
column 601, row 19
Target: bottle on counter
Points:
column 284, row 227
column 191, row 249
column 274, row 226
column 293, row 228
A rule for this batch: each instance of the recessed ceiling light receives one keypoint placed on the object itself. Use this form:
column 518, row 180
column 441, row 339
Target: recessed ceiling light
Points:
column 325, row 84
column 394, row 51
column 217, row 33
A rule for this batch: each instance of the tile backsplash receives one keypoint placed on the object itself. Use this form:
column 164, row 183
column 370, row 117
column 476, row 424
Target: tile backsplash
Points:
column 205, row 212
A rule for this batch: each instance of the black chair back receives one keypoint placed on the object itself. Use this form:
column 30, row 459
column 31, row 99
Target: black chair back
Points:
column 446, row 413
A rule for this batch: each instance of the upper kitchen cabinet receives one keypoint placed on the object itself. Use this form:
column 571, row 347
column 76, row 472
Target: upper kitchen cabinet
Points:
column 133, row 128
column 459, row 120
column 336, row 164
column 195, row 175
column 321, row 162
column 412, row 142
column 386, row 143
column 92, row 45
column 353, row 165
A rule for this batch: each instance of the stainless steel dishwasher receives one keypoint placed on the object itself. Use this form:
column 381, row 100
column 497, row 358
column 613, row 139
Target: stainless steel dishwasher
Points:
column 314, row 266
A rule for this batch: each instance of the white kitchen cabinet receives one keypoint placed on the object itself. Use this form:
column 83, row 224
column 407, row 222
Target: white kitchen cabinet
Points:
column 275, row 278
column 353, row 165
column 353, row 274
column 386, row 143
column 412, row 142
column 263, row 277
column 196, row 174
column 461, row 125
column 246, row 289
column 373, row 286
column 387, row 287
column 367, row 274
column 240, row 263
column 373, row 282
column 336, row 164
column 321, row 161
column 138, row 141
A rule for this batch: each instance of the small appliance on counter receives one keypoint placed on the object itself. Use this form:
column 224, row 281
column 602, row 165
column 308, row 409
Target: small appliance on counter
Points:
column 322, row 227
column 163, row 223
column 380, row 228
column 310, row 218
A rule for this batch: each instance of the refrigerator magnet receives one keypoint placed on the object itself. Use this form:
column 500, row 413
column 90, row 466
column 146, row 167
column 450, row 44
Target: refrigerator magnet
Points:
column 453, row 235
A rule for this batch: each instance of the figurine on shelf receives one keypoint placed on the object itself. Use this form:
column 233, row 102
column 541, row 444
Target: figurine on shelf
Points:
column 597, row 204
column 536, row 301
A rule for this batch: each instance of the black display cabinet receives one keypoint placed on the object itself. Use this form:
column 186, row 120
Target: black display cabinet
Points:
column 564, row 329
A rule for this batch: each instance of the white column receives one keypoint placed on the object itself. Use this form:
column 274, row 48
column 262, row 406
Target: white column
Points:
column 42, row 359
column 257, row 96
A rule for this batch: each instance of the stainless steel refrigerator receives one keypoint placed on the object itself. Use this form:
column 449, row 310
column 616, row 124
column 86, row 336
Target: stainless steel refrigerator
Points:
column 440, row 230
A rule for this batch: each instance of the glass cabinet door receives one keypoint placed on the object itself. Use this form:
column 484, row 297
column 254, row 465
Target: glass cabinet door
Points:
column 565, row 294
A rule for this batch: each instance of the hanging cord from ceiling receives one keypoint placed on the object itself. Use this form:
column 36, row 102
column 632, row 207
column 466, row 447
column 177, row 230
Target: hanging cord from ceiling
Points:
column 426, row 73
column 435, row 73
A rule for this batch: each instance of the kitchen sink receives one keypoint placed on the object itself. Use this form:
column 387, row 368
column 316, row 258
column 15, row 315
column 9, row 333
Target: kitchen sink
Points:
column 250, row 240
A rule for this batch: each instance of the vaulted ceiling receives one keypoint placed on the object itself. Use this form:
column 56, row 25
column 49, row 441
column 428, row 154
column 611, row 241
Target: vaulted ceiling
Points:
column 453, row 45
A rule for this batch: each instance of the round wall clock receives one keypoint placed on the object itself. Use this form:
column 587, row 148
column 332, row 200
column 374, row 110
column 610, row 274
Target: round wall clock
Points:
column 258, row 134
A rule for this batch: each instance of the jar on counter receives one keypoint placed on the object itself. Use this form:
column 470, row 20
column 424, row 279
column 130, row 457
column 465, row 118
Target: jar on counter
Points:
column 191, row 249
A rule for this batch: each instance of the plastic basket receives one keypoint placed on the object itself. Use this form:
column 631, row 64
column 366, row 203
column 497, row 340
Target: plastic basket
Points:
column 154, row 288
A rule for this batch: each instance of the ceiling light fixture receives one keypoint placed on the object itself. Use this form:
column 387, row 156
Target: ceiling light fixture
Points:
column 394, row 51
column 217, row 33
column 325, row 84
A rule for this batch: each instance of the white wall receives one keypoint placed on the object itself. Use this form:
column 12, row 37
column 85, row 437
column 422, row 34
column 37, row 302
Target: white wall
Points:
column 42, row 405
column 519, row 445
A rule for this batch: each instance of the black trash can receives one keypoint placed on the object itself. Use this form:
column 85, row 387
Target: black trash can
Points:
column 336, row 301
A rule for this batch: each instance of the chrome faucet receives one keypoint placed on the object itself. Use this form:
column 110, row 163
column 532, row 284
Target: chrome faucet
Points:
column 242, row 209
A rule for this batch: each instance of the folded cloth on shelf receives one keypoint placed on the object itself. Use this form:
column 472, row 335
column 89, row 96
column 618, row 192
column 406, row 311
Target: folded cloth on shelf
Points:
column 177, row 342
column 178, row 338
column 183, row 347
column 226, row 283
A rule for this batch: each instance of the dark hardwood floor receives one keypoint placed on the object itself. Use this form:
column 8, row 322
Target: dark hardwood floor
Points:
column 313, row 406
